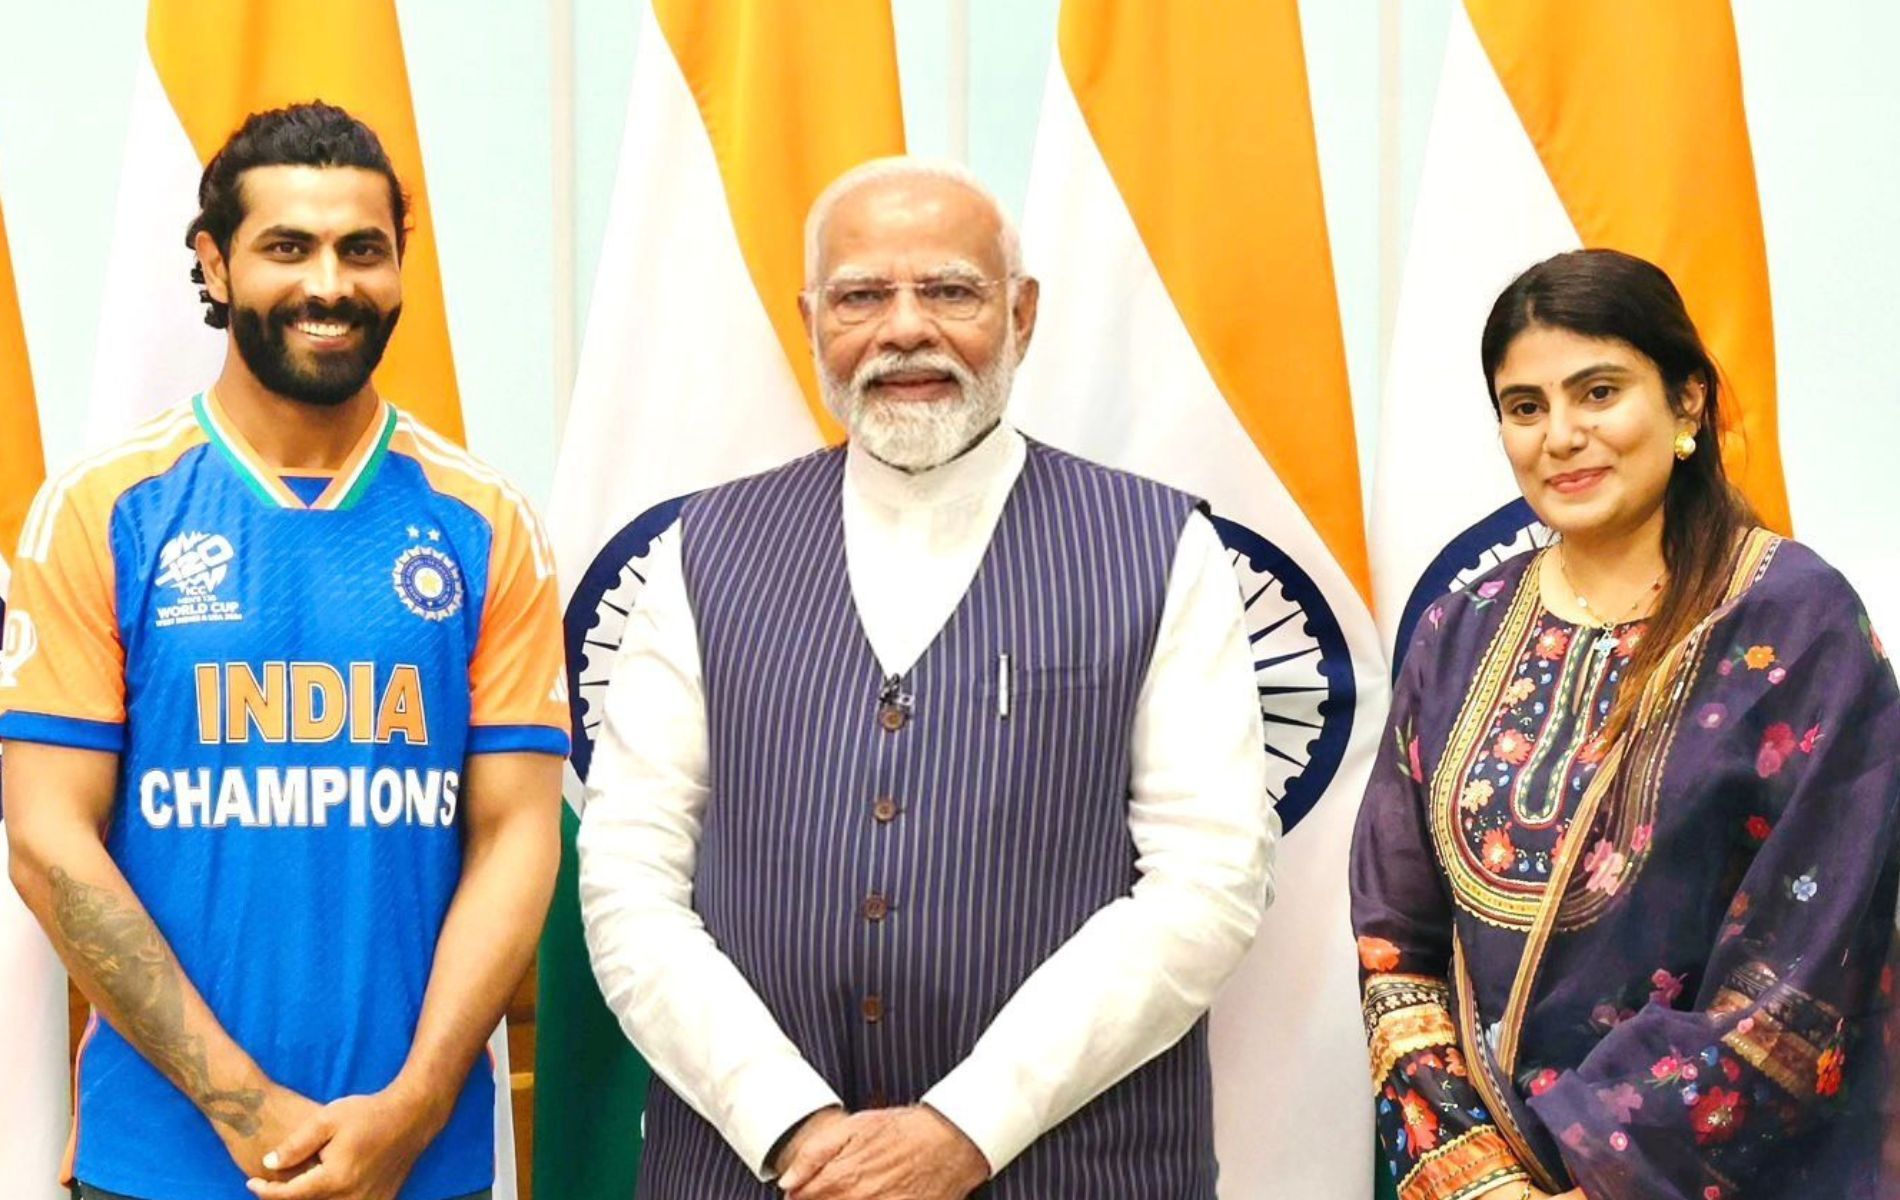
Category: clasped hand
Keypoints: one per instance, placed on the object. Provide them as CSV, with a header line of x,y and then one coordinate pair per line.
x,y
912,1153
354,1148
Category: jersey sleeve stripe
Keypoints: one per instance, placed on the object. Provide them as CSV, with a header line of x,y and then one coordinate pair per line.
x,y
75,732
507,739
433,447
446,453
37,540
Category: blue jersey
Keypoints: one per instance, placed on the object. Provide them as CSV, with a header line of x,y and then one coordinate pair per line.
x,y
293,673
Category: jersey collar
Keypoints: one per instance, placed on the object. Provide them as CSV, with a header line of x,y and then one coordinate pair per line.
x,y
346,486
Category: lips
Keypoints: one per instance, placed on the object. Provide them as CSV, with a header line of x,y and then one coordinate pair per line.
x,y
326,326
324,331
1573,482
913,384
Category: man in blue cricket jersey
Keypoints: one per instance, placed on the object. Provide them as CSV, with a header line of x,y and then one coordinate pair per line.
x,y
283,769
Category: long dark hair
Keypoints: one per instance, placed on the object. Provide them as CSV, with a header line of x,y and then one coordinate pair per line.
x,y
1609,294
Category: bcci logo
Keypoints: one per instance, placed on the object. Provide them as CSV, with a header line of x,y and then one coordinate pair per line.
x,y
195,565
428,583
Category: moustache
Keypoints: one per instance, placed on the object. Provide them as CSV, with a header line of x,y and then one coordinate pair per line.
x,y
892,363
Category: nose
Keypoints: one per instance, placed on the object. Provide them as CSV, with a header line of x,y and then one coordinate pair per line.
x,y
1566,432
323,278
907,326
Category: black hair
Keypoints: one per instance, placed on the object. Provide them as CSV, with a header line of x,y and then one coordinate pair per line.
x,y
305,135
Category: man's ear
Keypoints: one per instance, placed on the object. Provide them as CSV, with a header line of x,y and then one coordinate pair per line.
x,y
211,262
1028,293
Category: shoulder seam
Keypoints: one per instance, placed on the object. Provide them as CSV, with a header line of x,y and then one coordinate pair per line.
x,y
36,538
439,450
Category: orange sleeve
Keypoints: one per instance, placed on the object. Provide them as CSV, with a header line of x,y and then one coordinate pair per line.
x,y
62,665
518,677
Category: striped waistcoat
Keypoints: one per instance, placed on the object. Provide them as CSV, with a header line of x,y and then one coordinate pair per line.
x,y
886,862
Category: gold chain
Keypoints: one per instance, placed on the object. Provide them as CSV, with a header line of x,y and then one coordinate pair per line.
x,y
1591,615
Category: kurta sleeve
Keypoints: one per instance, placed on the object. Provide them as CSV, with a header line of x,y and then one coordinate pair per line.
x,y
1439,1140
1782,1035
690,1011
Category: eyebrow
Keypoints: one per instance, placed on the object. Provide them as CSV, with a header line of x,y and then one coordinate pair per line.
x,y
290,233
854,275
1570,381
957,269
1602,368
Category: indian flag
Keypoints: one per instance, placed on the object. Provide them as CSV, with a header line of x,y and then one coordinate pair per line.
x,y
1561,125
35,1105
1189,331
209,64
695,369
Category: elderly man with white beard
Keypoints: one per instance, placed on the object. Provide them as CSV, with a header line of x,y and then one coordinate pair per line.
x,y
930,810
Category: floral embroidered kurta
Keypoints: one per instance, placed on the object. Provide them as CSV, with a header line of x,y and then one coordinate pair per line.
x,y
1700,1016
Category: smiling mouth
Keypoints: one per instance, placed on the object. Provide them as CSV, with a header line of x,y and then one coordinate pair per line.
x,y
1576,481
901,383
323,330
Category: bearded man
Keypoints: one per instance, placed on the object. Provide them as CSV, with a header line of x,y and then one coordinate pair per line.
x,y
930,808
284,744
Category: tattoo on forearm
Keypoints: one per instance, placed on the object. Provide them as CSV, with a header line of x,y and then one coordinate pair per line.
x,y
128,960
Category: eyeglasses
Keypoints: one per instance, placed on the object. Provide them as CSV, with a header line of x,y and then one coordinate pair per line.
x,y
956,298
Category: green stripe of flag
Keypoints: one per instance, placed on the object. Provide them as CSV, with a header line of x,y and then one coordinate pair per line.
x,y
590,1084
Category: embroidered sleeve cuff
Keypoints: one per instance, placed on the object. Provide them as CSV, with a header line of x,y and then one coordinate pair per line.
x,y
1405,1014
76,732
1465,1167
998,1120
517,739
779,1095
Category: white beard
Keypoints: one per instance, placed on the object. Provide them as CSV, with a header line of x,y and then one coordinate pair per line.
x,y
916,435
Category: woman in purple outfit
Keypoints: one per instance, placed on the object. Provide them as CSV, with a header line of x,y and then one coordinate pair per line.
x,y
1624,879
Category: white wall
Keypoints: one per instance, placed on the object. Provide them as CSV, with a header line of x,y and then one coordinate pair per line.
x,y
1823,108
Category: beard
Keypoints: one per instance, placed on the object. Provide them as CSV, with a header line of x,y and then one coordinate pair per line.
x,y
916,435
323,379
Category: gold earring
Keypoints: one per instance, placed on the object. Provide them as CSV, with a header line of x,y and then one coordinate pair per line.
x,y
1685,445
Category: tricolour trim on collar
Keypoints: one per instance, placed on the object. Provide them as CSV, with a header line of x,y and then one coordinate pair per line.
x,y
346,487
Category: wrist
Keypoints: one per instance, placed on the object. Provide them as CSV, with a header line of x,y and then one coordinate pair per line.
x,y
963,1146
421,1104
232,1102
774,1158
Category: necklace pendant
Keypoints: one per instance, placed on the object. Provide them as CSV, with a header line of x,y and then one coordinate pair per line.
x,y
1605,643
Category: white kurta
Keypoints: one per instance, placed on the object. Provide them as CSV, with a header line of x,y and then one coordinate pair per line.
x,y
1122,989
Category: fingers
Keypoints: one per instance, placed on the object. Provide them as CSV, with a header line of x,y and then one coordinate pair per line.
x,y
314,1184
835,1180
303,1142
847,1164
810,1154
